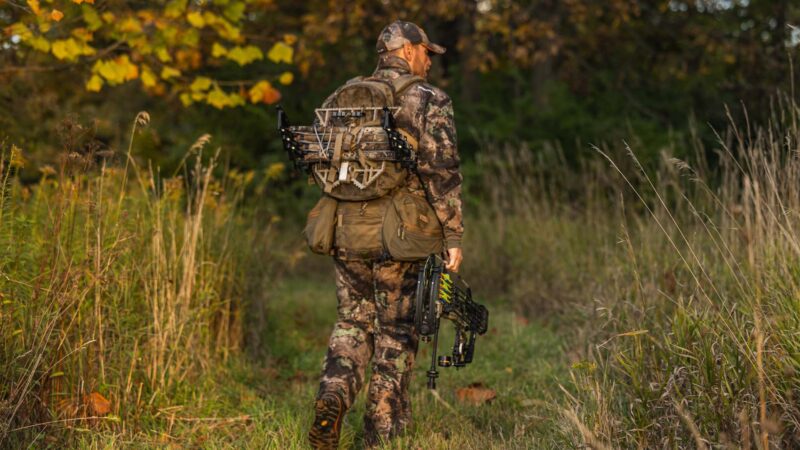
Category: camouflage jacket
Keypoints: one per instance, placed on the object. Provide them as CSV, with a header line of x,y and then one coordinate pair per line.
x,y
427,113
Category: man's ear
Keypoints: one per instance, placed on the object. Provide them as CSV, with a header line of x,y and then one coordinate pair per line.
x,y
408,51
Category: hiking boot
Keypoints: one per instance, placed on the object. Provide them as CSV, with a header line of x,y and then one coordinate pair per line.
x,y
324,433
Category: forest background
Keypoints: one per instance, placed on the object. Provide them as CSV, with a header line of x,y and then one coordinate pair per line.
x,y
629,179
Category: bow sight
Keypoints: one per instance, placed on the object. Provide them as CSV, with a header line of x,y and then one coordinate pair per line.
x,y
443,294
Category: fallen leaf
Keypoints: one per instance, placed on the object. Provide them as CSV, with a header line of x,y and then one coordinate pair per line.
x,y
98,405
476,393
56,15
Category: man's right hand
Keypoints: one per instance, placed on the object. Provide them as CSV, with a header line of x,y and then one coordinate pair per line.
x,y
454,258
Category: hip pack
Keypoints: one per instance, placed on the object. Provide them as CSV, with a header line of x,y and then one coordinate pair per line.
x,y
402,226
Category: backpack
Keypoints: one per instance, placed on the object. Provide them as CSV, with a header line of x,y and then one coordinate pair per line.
x,y
361,161
347,150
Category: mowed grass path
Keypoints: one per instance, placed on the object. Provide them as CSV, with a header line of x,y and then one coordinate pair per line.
x,y
268,404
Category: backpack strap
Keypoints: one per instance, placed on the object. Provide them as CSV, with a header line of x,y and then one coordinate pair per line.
x,y
403,82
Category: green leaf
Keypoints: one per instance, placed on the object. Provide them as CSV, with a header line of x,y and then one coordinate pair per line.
x,y
175,8
234,11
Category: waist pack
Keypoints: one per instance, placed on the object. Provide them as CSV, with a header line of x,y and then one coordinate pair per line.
x,y
402,226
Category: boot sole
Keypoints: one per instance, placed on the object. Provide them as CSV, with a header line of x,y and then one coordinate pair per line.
x,y
324,434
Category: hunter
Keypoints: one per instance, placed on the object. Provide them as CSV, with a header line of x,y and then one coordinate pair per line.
x,y
375,293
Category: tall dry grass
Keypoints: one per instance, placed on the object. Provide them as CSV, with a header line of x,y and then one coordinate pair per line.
x,y
679,284
118,285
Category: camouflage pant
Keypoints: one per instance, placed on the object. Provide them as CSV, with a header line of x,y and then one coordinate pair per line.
x,y
375,322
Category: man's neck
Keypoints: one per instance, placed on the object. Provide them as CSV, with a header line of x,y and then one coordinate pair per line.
x,y
395,62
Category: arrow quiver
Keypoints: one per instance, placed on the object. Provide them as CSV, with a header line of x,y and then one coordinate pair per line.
x,y
442,294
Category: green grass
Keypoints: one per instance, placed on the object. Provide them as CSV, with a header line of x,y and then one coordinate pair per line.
x,y
520,360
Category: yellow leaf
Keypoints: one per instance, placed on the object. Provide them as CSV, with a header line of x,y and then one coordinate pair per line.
x,y
169,72
129,25
222,27
210,18
34,4
281,52
218,99
286,78
290,39
95,84
70,49
218,50
196,19
245,55
77,1
39,43
116,71
186,99
236,99
148,77
132,72
56,15
109,17
256,93
163,55
200,84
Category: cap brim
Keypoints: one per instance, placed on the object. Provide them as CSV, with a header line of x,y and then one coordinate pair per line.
x,y
435,48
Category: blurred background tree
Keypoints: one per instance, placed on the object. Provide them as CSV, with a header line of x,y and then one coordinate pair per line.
x,y
569,72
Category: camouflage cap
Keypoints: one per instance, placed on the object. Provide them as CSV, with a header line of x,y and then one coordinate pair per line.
x,y
399,32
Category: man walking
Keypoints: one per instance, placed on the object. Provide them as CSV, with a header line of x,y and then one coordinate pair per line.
x,y
375,320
